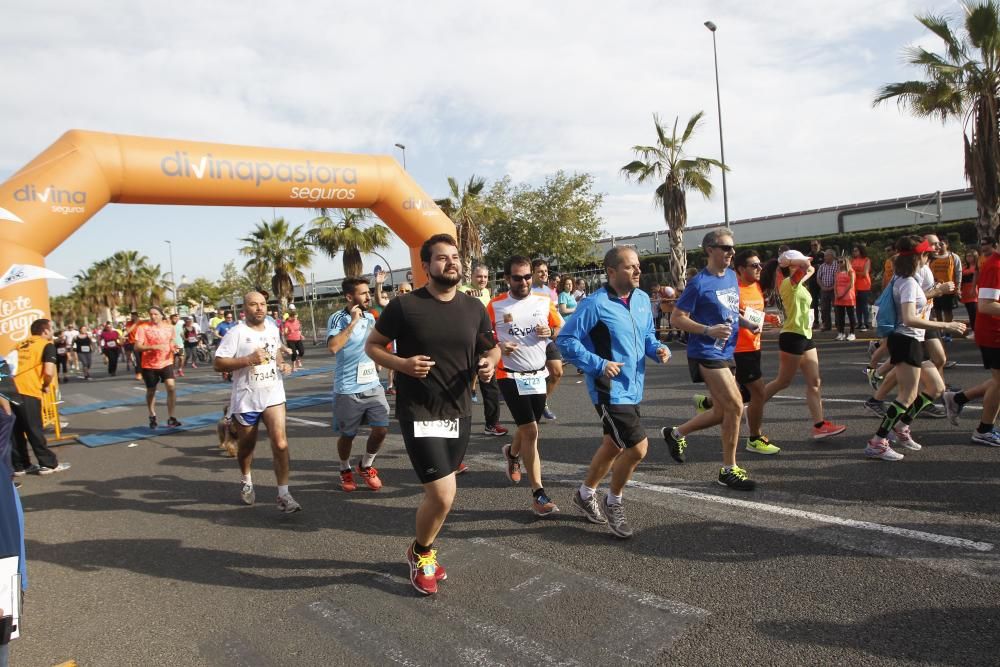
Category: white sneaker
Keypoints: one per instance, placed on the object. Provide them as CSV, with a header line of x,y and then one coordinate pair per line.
x,y
287,504
878,448
840,336
900,435
247,494
851,336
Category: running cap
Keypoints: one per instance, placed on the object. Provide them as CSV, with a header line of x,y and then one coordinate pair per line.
x,y
792,255
291,307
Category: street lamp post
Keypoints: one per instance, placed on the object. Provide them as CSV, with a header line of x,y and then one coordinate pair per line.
x,y
173,279
718,101
402,148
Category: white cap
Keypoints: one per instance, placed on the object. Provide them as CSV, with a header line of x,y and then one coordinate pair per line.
x,y
790,256
291,306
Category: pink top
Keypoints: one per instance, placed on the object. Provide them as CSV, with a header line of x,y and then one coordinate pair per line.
x,y
840,284
293,329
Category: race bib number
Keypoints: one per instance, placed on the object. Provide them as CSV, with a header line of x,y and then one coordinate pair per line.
x,y
436,428
530,384
264,375
754,317
85,348
111,343
367,372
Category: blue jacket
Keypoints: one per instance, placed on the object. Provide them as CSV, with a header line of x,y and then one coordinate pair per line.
x,y
604,329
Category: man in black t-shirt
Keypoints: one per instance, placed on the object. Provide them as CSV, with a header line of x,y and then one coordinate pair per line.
x,y
816,256
443,338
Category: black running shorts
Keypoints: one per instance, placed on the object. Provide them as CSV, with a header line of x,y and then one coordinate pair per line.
x,y
793,343
695,366
748,367
153,376
435,458
906,350
622,423
991,357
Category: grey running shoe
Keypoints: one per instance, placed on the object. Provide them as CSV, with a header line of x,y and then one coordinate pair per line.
x,y
616,519
934,411
876,406
247,494
287,504
589,507
991,438
952,407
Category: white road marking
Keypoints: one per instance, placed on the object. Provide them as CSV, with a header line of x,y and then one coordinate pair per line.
x,y
947,540
855,400
299,420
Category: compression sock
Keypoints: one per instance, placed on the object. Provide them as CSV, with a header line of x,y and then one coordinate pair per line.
x,y
893,412
367,460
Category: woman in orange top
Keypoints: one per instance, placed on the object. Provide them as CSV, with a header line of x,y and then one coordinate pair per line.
x,y
862,267
970,270
844,300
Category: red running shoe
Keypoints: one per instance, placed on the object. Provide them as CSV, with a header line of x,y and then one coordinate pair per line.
x,y
347,481
495,429
370,476
827,429
461,469
423,570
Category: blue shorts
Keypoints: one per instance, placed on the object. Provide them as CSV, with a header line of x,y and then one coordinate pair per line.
x,y
248,418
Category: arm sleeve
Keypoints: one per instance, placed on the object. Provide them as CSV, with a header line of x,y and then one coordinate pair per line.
x,y
570,339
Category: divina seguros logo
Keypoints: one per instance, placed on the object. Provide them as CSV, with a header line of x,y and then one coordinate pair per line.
x,y
180,164
61,200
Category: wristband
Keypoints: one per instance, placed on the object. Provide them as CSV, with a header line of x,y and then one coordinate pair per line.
x,y
705,331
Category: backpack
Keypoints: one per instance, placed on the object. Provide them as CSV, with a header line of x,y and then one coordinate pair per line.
x,y
887,318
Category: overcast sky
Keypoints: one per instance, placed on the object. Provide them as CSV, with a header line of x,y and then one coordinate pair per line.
x,y
519,88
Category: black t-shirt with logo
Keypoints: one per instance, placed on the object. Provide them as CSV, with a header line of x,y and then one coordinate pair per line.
x,y
453,334
83,344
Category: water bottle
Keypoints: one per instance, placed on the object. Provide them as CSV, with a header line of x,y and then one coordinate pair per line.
x,y
720,343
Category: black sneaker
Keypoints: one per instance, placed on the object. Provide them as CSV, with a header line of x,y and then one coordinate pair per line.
x,y
675,445
152,421
876,406
616,519
173,423
736,478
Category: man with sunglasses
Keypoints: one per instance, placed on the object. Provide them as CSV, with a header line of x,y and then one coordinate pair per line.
x,y
609,337
709,311
523,323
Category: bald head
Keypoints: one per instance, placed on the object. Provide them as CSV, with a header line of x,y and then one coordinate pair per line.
x,y
255,308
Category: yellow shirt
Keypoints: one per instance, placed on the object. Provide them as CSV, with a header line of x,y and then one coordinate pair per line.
x,y
30,364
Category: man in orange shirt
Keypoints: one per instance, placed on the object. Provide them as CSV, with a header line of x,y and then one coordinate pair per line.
x,y
36,370
155,343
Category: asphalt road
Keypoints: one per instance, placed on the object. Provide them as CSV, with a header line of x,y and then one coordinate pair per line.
x,y
144,555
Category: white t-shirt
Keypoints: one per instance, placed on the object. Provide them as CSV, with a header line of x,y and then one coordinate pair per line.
x,y
70,335
908,290
255,388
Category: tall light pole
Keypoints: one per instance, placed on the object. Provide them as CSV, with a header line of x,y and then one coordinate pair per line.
x,y
402,148
718,101
173,278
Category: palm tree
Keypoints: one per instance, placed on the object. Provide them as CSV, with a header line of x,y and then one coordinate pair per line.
x,y
277,249
470,214
963,83
135,278
346,234
677,173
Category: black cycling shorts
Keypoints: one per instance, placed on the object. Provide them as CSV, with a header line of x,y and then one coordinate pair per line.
x,y
153,376
622,423
435,458
524,409
991,357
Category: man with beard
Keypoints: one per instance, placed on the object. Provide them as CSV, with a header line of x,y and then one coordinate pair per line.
x,y
155,342
251,351
443,337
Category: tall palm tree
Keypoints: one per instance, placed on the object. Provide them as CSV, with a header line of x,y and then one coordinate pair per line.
x,y
280,250
135,277
347,234
676,173
963,83
469,213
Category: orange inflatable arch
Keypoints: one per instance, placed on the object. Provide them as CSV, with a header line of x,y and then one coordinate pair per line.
x,y
46,201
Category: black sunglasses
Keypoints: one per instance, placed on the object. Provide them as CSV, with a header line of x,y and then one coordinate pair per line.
x,y
724,248
520,279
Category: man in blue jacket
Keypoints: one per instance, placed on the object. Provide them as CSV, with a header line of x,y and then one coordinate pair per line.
x,y
608,338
